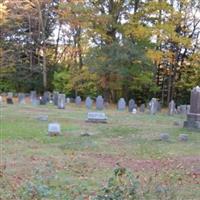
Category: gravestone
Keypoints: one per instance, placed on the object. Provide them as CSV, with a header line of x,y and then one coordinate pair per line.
x,y
193,117
21,98
33,98
142,108
55,98
9,98
1,99
61,101
153,106
96,117
182,109
164,137
78,100
54,129
42,118
67,100
46,97
172,108
131,105
88,103
121,105
43,100
183,137
99,103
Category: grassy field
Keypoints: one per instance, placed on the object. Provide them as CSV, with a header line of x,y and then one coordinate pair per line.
x,y
75,167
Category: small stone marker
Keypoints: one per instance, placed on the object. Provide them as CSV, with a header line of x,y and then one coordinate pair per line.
x,y
99,103
67,100
55,98
42,118
96,117
88,103
164,137
131,105
134,111
9,98
183,137
172,108
54,129
61,101
193,116
142,108
153,106
21,98
33,98
121,105
78,100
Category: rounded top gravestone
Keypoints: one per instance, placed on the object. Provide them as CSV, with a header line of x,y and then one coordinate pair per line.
x,y
54,129
172,108
61,101
78,100
131,105
99,103
88,103
121,105
153,106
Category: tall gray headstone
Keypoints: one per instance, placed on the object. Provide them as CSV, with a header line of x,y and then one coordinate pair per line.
x,y
172,108
193,117
55,98
99,103
78,100
131,105
121,105
142,108
88,103
61,101
46,97
33,98
21,98
153,106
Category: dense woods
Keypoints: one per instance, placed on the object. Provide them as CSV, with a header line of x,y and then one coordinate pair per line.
x,y
129,48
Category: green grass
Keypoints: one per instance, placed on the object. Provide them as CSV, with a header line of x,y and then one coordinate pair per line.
x,y
83,164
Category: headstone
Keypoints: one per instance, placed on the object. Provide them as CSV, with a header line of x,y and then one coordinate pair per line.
x,y
121,105
193,117
21,98
88,103
153,106
183,137
78,100
96,117
55,98
67,100
61,101
182,109
54,129
9,98
1,99
99,103
172,108
164,137
42,118
134,111
33,95
142,108
43,100
131,105
46,97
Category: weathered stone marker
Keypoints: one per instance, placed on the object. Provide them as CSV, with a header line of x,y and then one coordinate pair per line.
x,y
164,137
55,98
142,108
1,99
61,101
88,103
131,105
96,117
54,129
153,106
193,117
21,98
121,105
99,103
9,98
183,137
78,100
172,108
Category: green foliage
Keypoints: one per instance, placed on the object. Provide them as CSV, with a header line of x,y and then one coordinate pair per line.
x,y
123,185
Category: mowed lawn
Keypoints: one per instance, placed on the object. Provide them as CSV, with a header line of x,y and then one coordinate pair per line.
x,y
76,167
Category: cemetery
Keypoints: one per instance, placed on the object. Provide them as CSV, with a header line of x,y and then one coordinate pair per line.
x,y
46,140
100,100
